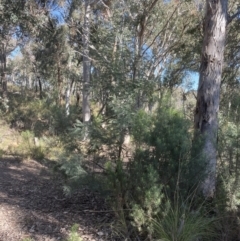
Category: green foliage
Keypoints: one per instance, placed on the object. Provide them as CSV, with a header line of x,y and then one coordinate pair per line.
x,y
228,195
146,48
142,205
117,183
180,223
146,196
111,131
27,239
38,116
160,168
229,149
43,118
142,126
31,146
74,236
28,114
117,180
59,122
37,153
71,167
167,146
4,105
1,153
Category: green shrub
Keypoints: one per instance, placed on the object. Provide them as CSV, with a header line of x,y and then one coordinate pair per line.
x,y
181,223
30,146
163,166
1,153
146,197
142,126
27,239
74,236
142,206
117,182
37,152
228,196
166,144
71,167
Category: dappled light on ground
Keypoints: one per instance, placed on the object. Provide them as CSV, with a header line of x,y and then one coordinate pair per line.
x,y
32,205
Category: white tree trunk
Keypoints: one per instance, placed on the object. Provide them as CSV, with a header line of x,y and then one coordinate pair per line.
x,y
86,64
67,106
206,115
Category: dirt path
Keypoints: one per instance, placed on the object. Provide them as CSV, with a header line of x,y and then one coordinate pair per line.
x,y
32,205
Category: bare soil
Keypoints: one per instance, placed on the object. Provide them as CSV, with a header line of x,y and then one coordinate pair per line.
x,y
33,205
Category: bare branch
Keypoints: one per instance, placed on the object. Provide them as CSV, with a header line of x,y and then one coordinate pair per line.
x,y
235,15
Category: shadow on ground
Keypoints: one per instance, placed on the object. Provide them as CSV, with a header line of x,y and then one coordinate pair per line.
x,y
32,205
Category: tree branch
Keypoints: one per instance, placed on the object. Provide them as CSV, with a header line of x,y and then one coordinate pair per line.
x,y
230,18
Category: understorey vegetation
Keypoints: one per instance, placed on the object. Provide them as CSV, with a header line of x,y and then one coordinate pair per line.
x,y
138,100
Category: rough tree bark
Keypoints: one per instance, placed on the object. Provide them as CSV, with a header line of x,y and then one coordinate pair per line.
x,y
3,66
207,107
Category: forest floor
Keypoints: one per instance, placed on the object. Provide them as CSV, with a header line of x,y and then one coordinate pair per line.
x,y
34,207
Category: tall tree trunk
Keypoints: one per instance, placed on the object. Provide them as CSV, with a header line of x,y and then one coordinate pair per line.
x,y
207,107
3,62
137,58
29,81
86,64
59,83
67,98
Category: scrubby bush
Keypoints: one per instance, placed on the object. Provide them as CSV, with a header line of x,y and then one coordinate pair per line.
x,y
180,223
161,168
167,146
71,167
228,196
31,146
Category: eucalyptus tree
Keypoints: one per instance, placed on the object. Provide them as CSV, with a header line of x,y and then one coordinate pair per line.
x,y
10,34
143,47
19,21
158,44
83,21
208,97
86,63
54,46
22,68
137,52
123,73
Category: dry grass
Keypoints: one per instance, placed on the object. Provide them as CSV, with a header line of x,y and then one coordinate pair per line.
x,y
9,138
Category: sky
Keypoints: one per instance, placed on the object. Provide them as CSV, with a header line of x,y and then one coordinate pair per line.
x,y
195,78
15,52
190,82
58,14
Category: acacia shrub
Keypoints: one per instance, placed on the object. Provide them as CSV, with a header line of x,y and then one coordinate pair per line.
x,y
163,167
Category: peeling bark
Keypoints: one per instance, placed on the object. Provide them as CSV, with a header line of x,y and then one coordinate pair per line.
x,y
207,107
